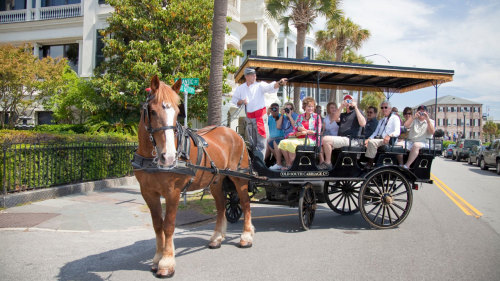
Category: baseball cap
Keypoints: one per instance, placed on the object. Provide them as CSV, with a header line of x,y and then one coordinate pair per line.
x,y
348,97
249,70
422,107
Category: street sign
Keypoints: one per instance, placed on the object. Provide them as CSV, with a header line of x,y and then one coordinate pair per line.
x,y
190,81
187,89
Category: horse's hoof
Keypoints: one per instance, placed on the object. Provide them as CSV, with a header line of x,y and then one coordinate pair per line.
x,y
245,245
154,269
164,273
214,245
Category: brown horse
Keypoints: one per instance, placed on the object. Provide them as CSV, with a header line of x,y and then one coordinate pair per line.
x,y
225,148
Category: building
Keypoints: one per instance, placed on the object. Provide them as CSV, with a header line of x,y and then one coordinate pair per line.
x,y
69,28
457,116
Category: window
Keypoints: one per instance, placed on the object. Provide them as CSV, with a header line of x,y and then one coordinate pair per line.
x,y
459,109
68,51
439,122
99,46
280,52
49,3
323,96
479,122
459,122
452,109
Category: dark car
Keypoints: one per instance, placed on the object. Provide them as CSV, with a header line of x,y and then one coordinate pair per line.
x,y
475,154
448,152
463,147
491,156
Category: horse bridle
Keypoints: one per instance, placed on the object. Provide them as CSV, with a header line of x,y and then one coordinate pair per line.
x,y
149,128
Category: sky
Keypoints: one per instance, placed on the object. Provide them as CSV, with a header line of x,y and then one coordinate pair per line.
x,y
463,36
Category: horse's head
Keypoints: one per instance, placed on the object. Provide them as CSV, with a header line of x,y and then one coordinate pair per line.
x,y
160,117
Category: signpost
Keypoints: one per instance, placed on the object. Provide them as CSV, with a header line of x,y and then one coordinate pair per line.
x,y
186,89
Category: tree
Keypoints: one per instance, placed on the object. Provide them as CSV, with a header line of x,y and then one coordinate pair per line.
x,y
146,37
25,81
302,13
372,99
489,129
75,99
216,61
341,34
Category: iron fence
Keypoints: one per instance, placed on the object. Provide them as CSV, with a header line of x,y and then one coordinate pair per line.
x,y
34,166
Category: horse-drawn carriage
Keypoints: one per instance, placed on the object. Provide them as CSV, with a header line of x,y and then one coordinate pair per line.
x,y
171,159
383,195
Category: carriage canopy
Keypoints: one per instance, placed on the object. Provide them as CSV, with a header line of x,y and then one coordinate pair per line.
x,y
348,76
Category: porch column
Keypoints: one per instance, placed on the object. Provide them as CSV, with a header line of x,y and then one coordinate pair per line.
x,y
285,47
273,52
38,6
29,4
80,56
36,51
261,38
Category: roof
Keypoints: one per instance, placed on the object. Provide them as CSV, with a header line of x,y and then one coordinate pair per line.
x,y
450,100
349,76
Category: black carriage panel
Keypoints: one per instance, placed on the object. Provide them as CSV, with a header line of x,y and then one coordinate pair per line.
x,y
421,167
347,161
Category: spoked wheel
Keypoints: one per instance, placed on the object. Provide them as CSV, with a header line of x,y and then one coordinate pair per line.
x,y
307,206
385,199
233,208
342,196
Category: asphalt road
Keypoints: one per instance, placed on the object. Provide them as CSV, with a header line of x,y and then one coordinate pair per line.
x,y
438,241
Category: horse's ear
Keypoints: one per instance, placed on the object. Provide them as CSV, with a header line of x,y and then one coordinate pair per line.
x,y
155,83
177,85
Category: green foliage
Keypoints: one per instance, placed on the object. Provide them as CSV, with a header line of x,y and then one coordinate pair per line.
x,y
446,143
30,166
490,128
75,99
61,128
33,137
148,37
372,99
25,80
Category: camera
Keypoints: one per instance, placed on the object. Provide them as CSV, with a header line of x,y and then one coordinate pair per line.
x,y
287,110
378,137
348,101
274,109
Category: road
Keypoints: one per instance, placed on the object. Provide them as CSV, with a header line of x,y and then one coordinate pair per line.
x,y
439,240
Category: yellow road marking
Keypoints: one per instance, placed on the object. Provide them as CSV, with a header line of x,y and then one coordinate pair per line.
x,y
467,208
274,216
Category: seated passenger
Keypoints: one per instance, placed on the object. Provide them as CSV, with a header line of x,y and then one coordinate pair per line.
x,y
307,125
330,126
371,121
275,135
388,127
420,129
350,123
407,113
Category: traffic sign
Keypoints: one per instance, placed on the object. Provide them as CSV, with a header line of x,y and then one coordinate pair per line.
x,y
187,89
190,81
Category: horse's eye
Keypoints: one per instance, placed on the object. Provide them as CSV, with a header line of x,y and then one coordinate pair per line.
x,y
153,112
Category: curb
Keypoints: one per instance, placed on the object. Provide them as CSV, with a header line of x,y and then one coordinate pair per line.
x,y
14,199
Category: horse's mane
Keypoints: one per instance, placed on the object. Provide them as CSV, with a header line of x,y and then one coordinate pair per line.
x,y
165,94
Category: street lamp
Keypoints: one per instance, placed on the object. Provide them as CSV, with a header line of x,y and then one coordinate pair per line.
x,y
377,55
464,126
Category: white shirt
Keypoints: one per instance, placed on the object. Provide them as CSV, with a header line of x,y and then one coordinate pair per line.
x,y
391,127
418,131
331,128
254,94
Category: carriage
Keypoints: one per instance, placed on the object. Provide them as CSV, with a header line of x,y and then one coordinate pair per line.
x,y
382,195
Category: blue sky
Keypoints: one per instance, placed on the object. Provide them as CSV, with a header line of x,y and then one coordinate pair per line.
x,y
463,36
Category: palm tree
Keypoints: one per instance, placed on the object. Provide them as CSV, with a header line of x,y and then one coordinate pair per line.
x,y
342,34
216,62
302,13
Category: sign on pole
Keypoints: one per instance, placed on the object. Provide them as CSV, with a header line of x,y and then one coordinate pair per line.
x,y
190,81
187,89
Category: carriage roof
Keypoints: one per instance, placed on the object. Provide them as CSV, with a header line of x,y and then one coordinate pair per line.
x,y
349,76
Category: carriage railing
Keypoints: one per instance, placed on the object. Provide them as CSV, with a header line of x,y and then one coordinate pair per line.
x,y
34,166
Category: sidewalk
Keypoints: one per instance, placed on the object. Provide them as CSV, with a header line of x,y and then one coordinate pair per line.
x,y
110,209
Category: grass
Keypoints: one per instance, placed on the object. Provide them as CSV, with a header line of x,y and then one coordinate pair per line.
x,y
205,206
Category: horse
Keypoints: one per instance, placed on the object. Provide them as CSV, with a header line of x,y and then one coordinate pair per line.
x,y
225,150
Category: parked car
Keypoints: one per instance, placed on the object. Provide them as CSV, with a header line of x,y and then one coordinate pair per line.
x,y
463,147
448,152
475,154
491,156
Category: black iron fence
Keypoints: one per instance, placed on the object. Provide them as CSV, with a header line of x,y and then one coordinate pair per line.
x,y
34,166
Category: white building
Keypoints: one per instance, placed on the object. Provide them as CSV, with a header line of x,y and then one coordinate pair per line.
x,y
69,28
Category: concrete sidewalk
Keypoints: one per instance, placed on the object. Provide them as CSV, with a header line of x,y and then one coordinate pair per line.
x,y
120,208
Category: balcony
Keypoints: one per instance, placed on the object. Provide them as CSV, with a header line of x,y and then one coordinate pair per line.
x,y
44,13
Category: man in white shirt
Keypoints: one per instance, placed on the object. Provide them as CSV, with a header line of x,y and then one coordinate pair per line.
x,y
251,94
387,128
421,129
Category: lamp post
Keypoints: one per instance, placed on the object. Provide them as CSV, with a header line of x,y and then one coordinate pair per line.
x,y
464,126
388,61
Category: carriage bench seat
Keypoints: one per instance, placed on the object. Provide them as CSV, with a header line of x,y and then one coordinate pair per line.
x,y
358,149
429,151
392,149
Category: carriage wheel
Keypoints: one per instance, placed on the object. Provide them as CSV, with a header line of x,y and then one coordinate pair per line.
x,y
233,208
342,196
385,199
307,206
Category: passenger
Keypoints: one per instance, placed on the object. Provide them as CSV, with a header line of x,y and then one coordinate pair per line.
x,y
407,113
387,128
371,121
275,135
330,126
287,119
350,123
308,124
396,112
421,128
251,94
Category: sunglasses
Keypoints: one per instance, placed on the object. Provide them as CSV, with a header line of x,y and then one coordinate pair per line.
x,y
370,112
407,113
384,107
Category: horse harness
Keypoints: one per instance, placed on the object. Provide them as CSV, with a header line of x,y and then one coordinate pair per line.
x,y
182,164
